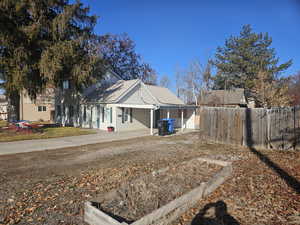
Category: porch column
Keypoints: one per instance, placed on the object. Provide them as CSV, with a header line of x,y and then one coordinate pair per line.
x,y
151,121
181,119
168,113
194,118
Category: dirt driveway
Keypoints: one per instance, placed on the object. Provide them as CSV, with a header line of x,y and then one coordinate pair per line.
x,y
50,187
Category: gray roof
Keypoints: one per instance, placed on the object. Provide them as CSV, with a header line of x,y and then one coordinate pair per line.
x,y
223,97
114,93
164,96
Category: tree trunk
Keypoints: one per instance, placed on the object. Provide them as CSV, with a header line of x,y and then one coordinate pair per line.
x,y
13,106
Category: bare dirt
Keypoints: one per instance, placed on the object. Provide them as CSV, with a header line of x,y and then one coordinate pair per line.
x,y
50,187
140,197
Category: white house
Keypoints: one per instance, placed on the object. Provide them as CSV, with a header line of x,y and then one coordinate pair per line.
x,y
124,105
3,107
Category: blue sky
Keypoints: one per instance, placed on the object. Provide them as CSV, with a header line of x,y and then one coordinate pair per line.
x,y
171,33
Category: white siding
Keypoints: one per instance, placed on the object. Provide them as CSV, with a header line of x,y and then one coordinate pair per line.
x,y
140,120
138,96
92,115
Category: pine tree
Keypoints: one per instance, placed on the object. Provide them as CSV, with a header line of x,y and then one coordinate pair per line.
x,y
44,42
243,57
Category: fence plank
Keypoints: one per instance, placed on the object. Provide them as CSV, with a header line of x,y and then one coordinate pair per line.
x,y
277,128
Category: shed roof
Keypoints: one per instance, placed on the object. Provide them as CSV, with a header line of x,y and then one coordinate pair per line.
x,y
223,97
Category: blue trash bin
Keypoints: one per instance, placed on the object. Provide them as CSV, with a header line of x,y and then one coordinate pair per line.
x,y
171,125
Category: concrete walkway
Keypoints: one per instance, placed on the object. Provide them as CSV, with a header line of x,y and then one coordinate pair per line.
x,y
63,142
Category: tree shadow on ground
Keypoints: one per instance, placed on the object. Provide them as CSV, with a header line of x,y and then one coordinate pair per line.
x,y
214,214
290,180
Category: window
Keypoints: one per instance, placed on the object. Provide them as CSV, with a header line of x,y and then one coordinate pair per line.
x,y
64,110
58,110
107,114
78,110
102,114
66,84
91,117
126,115
84,113
42,108
110,115
71,111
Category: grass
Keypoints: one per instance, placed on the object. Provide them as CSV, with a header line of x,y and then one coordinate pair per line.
x,y
3,123
45,133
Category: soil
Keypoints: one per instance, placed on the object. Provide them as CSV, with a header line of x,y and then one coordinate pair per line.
x,y
144,195
50,187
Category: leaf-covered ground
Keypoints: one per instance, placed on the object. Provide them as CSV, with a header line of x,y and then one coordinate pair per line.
x,y
50,187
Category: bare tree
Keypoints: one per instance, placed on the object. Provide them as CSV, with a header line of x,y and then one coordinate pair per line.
x,y
207,77
178,81
193,80
149,75
165,81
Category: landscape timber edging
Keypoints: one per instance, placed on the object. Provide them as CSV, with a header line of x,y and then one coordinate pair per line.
x,y
172,210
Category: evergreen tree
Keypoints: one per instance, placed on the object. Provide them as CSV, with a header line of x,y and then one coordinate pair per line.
x,y
243,57
44,42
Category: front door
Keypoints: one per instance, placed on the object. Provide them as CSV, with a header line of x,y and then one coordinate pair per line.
x,y
98,116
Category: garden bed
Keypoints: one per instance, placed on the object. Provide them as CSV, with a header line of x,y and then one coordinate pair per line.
x,y
160,196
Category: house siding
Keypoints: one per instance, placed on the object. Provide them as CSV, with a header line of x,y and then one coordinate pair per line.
x,y
29,108
138,96
140,120
93,115
3,110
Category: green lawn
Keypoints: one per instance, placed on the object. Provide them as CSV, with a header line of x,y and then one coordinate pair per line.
x,y
45,133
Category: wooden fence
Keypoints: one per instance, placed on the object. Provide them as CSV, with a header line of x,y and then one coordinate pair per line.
x,y
277,128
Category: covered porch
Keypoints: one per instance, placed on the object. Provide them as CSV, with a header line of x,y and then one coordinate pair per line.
x,y
130,117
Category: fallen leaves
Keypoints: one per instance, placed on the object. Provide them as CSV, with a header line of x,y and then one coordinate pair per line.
x,y
254,194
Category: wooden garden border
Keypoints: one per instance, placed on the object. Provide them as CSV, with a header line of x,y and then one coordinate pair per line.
x,y
172,210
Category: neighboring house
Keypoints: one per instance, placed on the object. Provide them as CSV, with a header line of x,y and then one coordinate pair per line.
x,y
124,105
224,98
40,109
3,107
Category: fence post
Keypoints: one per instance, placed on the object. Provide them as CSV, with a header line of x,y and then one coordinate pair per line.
x,y
268,128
